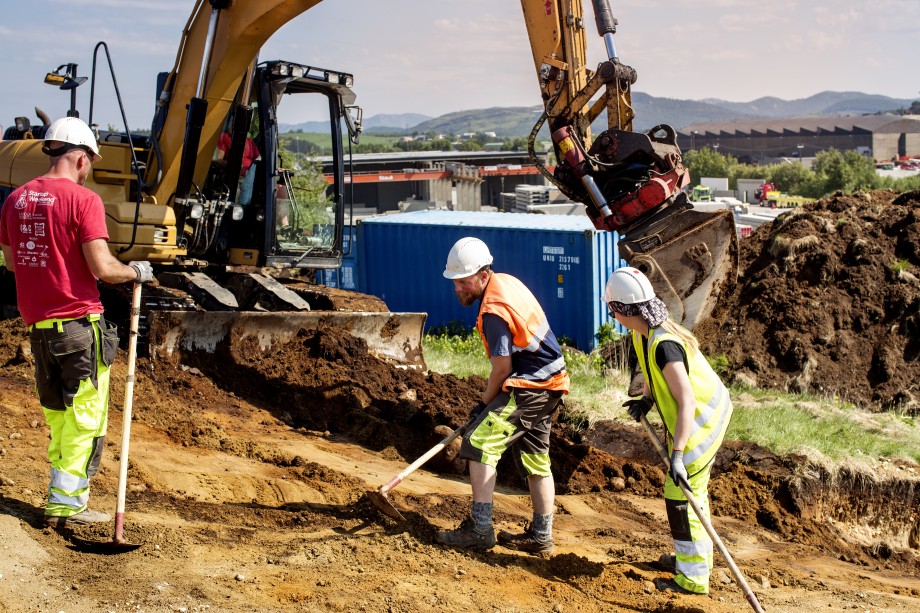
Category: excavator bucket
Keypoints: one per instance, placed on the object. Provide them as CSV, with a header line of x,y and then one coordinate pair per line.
x,y
393,337
690,257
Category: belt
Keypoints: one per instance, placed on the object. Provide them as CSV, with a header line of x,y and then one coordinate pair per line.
x,y
47,324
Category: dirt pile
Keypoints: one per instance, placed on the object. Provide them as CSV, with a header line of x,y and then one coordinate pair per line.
x,y
326,380
829,302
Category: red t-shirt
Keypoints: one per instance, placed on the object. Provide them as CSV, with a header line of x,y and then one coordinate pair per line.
x,y
45,222
250,151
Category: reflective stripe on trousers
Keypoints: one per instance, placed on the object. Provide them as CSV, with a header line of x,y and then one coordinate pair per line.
x,y
74,395
692,544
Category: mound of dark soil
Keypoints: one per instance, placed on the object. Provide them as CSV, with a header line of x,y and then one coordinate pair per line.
x,y
829,302
325,380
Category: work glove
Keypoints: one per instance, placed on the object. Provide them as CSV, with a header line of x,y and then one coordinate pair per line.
x,y
678,470
476,410
637,407
143,270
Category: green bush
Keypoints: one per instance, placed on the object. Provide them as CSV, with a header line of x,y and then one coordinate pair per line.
x,y
719,363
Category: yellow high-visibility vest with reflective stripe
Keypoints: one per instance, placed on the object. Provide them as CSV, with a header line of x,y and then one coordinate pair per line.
x,y
713,404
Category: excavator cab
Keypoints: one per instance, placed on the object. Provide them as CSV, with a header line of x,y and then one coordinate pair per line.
x,y
283,213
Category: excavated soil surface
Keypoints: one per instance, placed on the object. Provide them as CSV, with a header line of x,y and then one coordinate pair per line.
x,y
829,303
248,483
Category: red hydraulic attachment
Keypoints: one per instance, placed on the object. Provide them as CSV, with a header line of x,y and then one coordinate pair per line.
x,y
625,174
650,195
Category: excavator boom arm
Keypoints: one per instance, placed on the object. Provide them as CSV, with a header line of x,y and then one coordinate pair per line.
x,y
219,46
630,182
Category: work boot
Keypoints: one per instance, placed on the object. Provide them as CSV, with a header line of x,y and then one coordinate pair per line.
x,y
669,585
467,537
527,541
667,562
83,518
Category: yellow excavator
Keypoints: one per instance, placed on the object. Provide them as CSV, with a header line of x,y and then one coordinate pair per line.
x,y
214,199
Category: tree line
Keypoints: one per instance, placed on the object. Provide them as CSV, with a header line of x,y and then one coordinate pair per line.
x,y
831,170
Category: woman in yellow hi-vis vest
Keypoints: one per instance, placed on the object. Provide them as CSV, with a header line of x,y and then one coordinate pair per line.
x,y
695,408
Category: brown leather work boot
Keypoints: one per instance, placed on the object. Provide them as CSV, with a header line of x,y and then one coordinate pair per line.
x,y
528,541
467,537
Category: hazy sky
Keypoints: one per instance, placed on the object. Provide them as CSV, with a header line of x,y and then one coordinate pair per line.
x,y
439,56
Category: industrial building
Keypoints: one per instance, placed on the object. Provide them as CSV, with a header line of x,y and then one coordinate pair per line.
x,y
459,180
880,137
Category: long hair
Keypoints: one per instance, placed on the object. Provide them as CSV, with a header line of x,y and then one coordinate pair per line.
x,y
692,345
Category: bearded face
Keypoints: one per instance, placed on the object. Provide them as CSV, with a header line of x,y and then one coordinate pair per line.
x,y
470,289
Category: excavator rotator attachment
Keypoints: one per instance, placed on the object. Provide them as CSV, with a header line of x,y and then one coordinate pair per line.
x,y
631,183
636,173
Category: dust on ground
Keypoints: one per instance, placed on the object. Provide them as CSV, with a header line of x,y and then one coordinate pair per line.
x,y
829,302
248,483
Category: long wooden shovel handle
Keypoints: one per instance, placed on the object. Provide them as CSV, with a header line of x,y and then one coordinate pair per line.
x,y
742,583
428,455
126,412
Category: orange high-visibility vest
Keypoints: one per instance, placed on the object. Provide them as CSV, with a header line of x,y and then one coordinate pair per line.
x,y
536,357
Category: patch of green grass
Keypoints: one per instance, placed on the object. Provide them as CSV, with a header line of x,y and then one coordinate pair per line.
x,y
321,143
595,392
787,423
460,354
719,363
899,266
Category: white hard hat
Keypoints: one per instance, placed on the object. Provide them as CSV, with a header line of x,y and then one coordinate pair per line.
x,y
73,131
629,286
466,257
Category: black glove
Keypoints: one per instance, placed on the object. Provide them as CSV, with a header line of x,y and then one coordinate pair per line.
x,y
476,410
637,407
678,470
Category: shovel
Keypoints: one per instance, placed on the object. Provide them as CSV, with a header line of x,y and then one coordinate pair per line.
x,y
379,496
118,544
685,488
118,541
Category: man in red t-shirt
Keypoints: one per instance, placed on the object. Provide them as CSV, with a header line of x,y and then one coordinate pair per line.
x,y
54,239
250,154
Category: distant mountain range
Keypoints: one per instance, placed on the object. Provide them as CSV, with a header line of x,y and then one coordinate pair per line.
x,y
512,122
383,123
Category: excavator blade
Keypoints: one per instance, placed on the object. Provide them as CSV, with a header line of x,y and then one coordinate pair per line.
x,y
394,337
690,257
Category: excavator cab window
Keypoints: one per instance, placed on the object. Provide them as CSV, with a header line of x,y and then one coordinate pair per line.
x,y
304,207
302,110
279,164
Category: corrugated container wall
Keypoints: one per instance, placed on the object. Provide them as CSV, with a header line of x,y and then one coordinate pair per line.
x,y
562,259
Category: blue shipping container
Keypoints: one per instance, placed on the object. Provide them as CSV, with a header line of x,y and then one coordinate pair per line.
x,y
562,259
345,277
